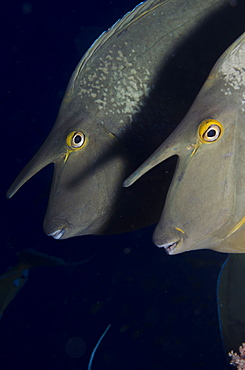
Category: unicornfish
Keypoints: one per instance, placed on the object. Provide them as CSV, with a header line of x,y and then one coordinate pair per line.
x,y
205,205
115,112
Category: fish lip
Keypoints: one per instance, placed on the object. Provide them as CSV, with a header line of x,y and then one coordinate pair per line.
x,y
57,234
169,247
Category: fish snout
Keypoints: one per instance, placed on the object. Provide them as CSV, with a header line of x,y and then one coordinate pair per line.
x,y
55,227
171,240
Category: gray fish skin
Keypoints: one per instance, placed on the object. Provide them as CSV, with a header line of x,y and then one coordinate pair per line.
x,y
115,99
204,208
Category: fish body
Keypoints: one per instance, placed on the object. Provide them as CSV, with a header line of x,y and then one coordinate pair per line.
x,y
205,205
113,115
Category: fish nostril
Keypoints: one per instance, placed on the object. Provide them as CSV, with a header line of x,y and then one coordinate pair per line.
x,y
55,226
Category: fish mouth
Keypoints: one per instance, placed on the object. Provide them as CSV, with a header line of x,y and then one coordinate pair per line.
x,y
169,247
57,234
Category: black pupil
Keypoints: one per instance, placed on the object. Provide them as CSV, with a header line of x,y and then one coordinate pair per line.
x,y
77,139
211,133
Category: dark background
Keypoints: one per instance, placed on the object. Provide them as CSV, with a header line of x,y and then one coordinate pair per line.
x,y
162,309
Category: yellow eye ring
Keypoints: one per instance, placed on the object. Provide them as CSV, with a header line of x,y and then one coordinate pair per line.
x,y
210,131
75,140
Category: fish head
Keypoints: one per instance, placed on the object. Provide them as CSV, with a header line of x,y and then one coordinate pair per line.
x,y
89,167
86,186
204,208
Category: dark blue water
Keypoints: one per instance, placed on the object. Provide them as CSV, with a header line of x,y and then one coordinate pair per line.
x,y
162,309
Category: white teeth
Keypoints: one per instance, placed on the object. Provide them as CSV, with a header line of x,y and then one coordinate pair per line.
x,y
57,234
165,245
169,247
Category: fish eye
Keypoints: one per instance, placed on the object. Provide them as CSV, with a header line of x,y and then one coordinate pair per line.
x,y
210,131
75,140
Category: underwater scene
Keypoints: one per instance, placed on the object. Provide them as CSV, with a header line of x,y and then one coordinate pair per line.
x,y
87,275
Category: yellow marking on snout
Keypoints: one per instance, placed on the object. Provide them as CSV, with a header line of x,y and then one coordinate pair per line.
x,y
237,226
178,229
196,146
67,155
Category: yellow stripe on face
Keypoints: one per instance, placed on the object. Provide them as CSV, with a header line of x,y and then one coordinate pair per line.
x,y
178,229
237,226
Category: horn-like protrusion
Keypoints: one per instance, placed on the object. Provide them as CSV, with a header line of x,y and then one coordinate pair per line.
x,y
168,149
47,154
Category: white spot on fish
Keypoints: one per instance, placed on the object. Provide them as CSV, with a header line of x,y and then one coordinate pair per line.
x,y
232,68
243,101
104,70
116,86
92,77
120,54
